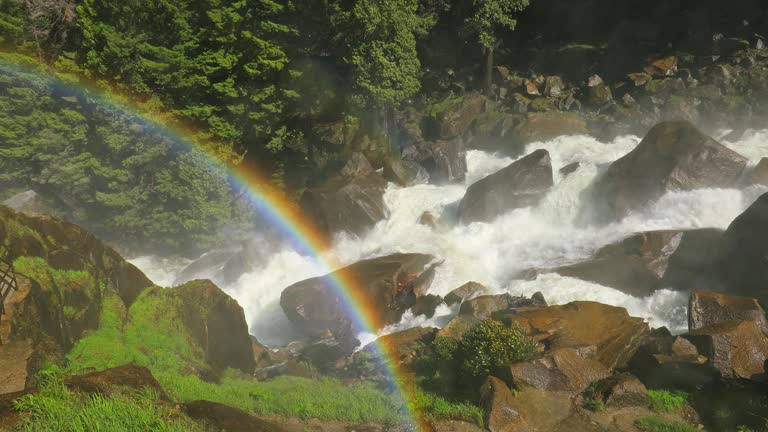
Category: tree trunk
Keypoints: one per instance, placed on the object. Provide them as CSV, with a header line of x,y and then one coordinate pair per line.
x,y
488,70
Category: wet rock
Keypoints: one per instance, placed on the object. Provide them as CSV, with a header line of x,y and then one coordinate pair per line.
x,y
569,169
759,175
357,165
521,184
112,380
560,369
265,357
346,204
674,362
448,161
226,418
743,267
427,305
599,95
644,262
458,326
465,291
707,308
483,307
673,156
391,283
428,219
738,349
573,325
496,401
621,390
405,172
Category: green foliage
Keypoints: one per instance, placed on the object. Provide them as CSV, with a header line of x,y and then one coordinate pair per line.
x,y
667,401
437,407
379,40
655,424
590,402
490,17
491,344
54,408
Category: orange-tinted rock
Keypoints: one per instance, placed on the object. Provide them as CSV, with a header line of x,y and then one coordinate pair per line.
x,y
707,308
738,349
621,390
496,401
465,291
568,369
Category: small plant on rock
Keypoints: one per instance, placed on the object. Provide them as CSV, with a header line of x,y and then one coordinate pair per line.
x,y
491,344
667,401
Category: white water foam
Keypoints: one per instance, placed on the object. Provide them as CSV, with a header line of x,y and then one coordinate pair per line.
x,y
546,235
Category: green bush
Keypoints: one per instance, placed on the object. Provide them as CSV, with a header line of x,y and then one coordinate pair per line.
x,y
655,424
491,344
667,401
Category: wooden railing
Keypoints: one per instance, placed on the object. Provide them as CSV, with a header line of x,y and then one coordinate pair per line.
x,y
8,281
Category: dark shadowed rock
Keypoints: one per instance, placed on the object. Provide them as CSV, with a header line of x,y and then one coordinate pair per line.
x,y
573,325
673,156
428,219
759,175
225,418
673,361
391,284
465,291
521,184
264,356
545,126
405,172
738,349
644,262
352,204
427,305
707,308
743,267
568,369
357,165
112,380
496,401
621,390
448,161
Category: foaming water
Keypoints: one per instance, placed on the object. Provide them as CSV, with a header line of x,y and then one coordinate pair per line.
x,y
551,233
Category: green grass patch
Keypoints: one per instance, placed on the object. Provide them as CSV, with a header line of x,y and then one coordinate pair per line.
x,y
54,408
667,401
655,424
436,407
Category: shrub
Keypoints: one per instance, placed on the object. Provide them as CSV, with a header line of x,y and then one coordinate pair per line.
x,y
667,401
491,344
590,402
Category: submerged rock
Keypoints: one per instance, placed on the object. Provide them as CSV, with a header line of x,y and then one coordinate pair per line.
x,y
673,156
521,184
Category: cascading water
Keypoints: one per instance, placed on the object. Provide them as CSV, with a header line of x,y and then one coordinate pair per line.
x,y
556,231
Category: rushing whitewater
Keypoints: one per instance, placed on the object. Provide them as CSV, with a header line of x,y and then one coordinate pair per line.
x,y
557,231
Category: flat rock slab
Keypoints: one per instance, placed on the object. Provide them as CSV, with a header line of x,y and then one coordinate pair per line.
x,y
16,366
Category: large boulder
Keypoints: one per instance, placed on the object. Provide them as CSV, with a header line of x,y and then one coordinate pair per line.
x,y
564,369
521,184
405,172
673,156
390,284
544,126
351,204
214,321
465,291
707,308
573,325
673,362
738,349
621,390
483,307
496,401
644,262
759,175
743,267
